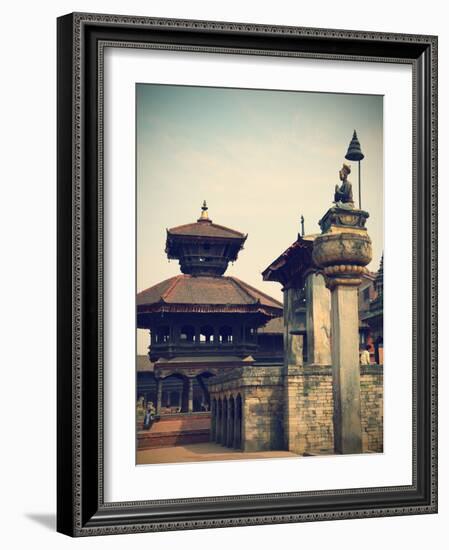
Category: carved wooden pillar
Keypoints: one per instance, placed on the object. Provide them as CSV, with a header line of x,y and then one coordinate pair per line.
x,y
158,395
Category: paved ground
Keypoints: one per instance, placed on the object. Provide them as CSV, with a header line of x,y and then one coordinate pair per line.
x,y
178,424
200,452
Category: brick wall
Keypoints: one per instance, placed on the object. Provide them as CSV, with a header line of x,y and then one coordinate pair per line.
x,y
263,418
261,390
293,408
310,409
372,402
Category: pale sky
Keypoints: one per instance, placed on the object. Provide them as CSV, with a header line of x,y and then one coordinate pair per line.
x,y
260,158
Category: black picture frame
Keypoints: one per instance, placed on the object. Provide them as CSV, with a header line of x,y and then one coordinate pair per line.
x,y
81,510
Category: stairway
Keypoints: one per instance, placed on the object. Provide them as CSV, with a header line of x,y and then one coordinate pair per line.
x,y
177,429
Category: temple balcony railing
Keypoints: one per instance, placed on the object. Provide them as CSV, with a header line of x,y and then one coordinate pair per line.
x,y
207,348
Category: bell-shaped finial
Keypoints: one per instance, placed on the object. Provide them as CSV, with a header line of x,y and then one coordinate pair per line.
x,y
354,149
204,212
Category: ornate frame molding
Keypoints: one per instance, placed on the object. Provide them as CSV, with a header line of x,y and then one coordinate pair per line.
x,y
81,42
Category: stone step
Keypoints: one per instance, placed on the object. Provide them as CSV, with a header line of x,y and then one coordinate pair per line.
x,y
173,430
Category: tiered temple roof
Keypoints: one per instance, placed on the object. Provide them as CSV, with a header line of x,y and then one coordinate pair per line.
x,y
289,268
204,250
203,247
199,294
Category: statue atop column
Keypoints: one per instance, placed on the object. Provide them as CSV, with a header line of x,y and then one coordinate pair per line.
x,y
343,193
342,251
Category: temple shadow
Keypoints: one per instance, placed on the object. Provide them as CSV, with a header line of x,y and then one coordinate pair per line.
x,y
46,520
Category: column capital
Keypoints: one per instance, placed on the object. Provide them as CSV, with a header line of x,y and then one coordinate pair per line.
x,y
343,256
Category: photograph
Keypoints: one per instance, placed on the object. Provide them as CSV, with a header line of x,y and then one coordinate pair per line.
x,y
259,273
246,237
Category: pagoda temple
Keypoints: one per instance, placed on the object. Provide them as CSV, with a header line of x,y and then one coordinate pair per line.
x,y
201,322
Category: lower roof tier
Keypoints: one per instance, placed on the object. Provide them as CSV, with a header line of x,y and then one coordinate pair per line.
x,y
189,294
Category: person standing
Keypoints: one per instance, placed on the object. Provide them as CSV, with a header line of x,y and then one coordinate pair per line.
x,y
150,415
365,358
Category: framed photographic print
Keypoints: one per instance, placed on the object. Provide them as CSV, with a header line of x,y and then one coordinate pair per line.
x,y
246,274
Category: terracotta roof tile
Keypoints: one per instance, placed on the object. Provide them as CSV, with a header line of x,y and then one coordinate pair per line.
x,y
185,292
206,229
274,326
293,252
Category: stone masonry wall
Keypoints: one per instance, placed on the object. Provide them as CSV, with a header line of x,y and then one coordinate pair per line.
x,y
310,409
263,418
261,390
293,409
372,402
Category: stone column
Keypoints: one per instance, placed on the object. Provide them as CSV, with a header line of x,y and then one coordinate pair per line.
x,y
294,322
213,419
158,395
346,370
342,251
218,429
224,423
318,322
235,440
190,401
229,427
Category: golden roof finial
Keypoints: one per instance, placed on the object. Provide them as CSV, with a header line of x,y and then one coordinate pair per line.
x,y
204,212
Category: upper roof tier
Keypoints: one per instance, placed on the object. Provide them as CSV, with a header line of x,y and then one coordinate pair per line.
x,y
203,248
205,228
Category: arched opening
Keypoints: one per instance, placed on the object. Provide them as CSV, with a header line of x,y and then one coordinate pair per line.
x,y
204,400
206,334
224,435
219,429
238,423
231,419
213,420
200,395
171,394
187,334
225,335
